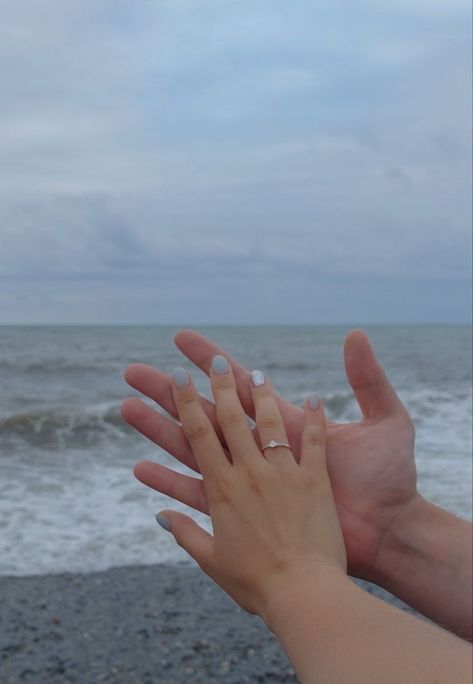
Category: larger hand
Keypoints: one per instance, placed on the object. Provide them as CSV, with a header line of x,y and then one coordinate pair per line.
x,y
371,462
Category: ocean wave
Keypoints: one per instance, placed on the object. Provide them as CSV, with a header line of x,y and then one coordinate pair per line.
x,y
425,405
59,365
289,366
340,406
59,429
431,403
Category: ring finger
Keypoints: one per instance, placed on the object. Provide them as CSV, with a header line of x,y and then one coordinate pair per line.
x,y
268,420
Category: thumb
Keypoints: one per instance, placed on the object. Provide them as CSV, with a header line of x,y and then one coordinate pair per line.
x,y
187,533
374,393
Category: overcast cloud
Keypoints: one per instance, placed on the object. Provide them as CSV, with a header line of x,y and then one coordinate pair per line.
x,y
235,162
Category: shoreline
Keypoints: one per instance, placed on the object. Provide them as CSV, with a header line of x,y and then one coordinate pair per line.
x,y
146,624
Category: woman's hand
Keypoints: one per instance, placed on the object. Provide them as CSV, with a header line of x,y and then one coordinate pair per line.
x,y
274,520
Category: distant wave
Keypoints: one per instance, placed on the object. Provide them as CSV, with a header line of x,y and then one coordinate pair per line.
x,y
340,406
59,365
424,405
57,429
292,366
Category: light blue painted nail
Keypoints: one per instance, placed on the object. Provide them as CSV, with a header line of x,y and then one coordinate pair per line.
x,y
220,365
257,378
180,377
163,521
314,401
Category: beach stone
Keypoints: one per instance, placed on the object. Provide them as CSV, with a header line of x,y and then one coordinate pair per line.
x,y
134,625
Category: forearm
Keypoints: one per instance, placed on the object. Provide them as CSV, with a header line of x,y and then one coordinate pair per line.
x,y
332,631
426,560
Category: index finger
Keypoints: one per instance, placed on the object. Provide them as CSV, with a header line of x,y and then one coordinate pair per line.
x,y
158,386
230,414
197,427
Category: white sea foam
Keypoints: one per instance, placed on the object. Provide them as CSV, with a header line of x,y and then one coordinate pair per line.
x,y
81,518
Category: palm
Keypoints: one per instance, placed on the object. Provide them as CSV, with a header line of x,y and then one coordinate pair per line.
x,y
372,470
373,475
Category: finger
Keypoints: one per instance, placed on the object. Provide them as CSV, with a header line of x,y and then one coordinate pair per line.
x,y
158,386
230,414
268,420
159,429
188,490
313,437
374,393
197,428
197,542
200,350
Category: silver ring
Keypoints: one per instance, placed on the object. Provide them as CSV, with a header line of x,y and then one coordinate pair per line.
x,y
273,444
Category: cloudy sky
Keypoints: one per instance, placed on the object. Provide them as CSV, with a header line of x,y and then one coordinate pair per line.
x,y
235,161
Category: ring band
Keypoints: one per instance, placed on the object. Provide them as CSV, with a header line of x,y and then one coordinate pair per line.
x,y
273,444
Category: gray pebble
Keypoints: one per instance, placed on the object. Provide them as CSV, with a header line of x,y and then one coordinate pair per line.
x,y
135,625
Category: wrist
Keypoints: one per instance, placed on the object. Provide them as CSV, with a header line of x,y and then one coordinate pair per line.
x,y
288,595
425,559
401,538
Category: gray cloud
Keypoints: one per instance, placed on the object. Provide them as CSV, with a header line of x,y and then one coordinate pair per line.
x,y
189,154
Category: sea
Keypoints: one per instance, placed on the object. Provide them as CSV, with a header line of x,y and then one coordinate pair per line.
x,y
68,499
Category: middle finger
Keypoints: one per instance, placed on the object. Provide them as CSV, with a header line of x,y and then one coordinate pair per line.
x,y
269,420
230,414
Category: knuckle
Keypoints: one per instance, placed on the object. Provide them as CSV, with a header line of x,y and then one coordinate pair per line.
x,y
310,482
307,481
221,490
196,430
229,415
269,420
322,486
313,436
187,400
254,482
222,382
293,477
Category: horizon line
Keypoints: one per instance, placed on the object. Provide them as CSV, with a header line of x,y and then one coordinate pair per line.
x,y
236,325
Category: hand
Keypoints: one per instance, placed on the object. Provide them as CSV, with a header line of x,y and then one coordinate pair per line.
x,y
370,463
274,520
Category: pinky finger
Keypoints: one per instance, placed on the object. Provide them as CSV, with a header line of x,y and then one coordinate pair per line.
x,y
313,438
197,542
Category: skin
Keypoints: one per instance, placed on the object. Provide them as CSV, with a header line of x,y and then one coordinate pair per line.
x,y
277,548
391,533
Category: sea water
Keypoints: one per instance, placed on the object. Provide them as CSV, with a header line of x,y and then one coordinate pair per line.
x,y
68,498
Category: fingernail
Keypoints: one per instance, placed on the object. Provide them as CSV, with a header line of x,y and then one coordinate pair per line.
x,y
220,365
257,378
180,377
163,521
314,401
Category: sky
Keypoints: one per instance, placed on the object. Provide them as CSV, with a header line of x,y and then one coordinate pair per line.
x,y
235,162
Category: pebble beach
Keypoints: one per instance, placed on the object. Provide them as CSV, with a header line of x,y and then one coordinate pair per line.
x,y
158,624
